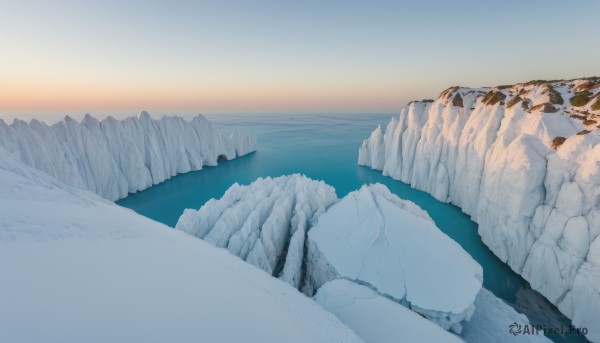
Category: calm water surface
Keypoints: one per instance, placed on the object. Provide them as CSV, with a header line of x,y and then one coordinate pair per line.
x,y
325,147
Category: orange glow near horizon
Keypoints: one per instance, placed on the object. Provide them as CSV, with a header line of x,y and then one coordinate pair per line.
x,y
69,95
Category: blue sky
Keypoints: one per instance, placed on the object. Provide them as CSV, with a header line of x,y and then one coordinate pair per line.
x,y
281,55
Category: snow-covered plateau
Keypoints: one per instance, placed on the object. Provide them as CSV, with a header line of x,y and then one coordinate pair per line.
x,y
115,157
77,268
376,261
524,162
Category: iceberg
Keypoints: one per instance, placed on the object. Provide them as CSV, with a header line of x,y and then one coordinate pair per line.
x,y
376,239
264,223
113,158
524,162
77,268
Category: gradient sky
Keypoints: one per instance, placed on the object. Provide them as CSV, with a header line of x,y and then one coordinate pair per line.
x,y
103,56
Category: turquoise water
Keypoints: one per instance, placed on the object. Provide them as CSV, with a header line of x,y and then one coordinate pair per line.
x,y
325,147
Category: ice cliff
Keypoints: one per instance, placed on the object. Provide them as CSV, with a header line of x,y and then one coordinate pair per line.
x,y
264,223
77,268
115,157
524,162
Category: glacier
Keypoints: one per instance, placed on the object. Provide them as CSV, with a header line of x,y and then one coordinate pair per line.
x,y
369,246
78,268
113,158
524,162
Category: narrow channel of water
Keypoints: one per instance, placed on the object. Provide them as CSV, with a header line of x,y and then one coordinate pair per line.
x,y
325,147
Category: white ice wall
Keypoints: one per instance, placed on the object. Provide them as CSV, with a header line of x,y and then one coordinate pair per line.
x,y
538,208
115,157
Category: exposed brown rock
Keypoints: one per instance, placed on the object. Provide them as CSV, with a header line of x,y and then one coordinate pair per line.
x,y
515,100
545,107
558,141
458,100
493,97
555,97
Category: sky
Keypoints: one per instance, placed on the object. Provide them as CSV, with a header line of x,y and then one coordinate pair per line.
x,y
290,56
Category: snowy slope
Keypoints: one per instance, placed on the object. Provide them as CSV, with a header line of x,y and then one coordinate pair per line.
x,y
377,239
77,268
113,158
377,319
524,162
263,223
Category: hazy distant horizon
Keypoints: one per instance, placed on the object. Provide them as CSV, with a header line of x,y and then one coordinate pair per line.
x,y
51,117
311,56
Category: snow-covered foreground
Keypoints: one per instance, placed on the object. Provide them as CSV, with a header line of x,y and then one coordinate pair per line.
x,y
371,258
115,157
77,268
524,162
